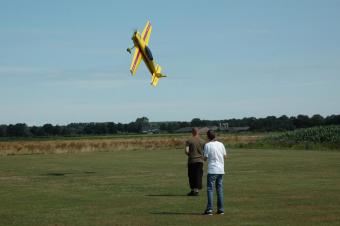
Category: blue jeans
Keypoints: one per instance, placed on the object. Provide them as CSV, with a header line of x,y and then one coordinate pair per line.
x,y
213,179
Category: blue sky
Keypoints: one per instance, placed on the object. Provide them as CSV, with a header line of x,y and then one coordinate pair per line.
x,y
66,61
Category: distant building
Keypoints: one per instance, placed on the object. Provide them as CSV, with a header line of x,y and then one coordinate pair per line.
x,y
238,129
184,130
149,129
204,130
225,127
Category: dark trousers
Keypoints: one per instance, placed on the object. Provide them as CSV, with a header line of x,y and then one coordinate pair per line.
x,y
195,173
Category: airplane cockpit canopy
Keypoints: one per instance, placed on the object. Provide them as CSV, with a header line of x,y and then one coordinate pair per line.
x,y
148,53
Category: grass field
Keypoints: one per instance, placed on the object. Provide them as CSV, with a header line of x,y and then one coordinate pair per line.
x,y
262,187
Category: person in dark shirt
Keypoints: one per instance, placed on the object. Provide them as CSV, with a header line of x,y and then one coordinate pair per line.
x,y
194,149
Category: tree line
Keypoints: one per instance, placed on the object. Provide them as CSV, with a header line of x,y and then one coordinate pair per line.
x,y
142,125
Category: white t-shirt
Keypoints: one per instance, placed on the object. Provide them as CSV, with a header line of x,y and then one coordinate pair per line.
x,y
215,151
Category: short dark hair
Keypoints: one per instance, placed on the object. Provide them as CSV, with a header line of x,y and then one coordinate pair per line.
x,y
211,134
195,131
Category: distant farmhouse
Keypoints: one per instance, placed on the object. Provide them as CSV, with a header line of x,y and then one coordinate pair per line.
x,y
238,129
222,127
184,130
201,129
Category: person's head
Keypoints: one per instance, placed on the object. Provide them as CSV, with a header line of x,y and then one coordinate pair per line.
x,y
195,131
211,134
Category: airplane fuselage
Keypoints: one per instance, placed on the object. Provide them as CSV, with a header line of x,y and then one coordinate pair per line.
x,y
142,52
145,51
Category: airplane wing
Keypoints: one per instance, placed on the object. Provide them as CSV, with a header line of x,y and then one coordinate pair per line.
x,y
137,57
157,75
147,32
154,80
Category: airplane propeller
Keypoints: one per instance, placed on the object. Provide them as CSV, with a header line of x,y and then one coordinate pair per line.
x,y
129,49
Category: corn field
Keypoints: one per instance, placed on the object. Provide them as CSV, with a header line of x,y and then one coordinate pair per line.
x,y
324,136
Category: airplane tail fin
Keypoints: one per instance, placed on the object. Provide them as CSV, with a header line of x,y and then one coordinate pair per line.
x,y
157,75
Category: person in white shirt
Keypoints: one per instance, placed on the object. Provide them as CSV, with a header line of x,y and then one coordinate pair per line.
x,y
215,153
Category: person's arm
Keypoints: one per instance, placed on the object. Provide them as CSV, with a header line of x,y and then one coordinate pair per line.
x,y
225,153
187,150
205,153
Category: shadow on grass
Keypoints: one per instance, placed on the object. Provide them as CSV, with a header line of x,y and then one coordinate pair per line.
x,y
176,213
57,174
166,195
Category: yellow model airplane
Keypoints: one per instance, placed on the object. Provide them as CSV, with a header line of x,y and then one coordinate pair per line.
x,y
142,51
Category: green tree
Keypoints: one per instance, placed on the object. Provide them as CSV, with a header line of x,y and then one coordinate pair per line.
x,y
37,131
111,128
18,130
316,120
195,122
142,124
302,121
3,130
48,129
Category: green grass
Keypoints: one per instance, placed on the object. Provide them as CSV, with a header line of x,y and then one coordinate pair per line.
x,y
262,187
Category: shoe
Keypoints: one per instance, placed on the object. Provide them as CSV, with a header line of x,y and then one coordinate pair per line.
x,y
192,193
220,212
208,212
